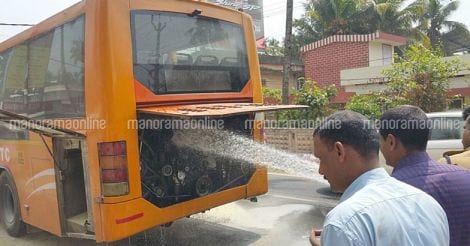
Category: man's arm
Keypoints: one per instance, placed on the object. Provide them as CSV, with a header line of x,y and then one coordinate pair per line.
x,y
335,236
314,237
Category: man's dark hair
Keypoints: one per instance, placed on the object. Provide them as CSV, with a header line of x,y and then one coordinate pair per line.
x,y
407,123
350,128
466,113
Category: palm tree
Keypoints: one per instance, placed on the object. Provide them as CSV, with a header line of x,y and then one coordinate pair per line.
x,y
329,17
433,22
333,17
324,18
391,16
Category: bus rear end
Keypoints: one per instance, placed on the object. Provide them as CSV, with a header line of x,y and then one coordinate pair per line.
x,y
196,75
178,57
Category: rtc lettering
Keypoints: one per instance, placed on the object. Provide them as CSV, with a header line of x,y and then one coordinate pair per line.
x,y
4,154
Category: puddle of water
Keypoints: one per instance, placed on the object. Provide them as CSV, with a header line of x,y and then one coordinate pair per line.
x,y
229,144
250,218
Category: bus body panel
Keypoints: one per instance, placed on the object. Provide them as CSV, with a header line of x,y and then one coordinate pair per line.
x,y
32,168
147,98
188,6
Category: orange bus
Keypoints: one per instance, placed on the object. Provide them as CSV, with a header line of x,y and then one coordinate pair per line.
x,y
77,156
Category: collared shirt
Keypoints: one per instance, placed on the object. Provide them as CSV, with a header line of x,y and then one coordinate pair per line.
x,y
448,184
462,159
377,209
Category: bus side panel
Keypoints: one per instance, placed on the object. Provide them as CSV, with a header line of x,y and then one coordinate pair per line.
x,y
15,158
32,168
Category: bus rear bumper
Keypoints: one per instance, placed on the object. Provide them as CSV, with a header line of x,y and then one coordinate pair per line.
x,y
121,220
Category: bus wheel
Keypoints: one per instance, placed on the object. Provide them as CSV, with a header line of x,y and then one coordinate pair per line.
x,y
9,207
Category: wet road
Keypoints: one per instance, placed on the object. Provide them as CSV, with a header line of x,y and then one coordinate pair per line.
x,y
284,216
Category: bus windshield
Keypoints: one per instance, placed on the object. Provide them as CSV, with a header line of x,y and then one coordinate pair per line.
x,y
177,53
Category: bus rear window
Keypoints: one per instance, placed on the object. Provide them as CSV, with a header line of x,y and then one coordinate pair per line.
x,y
175,53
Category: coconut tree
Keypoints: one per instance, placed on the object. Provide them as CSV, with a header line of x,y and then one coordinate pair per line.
x,y
391,16
323,18
432,17
339,16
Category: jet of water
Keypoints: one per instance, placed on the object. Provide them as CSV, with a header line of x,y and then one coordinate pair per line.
x,y
234,146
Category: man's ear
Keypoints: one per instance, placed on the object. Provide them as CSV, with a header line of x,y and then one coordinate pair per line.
x,y
340,151
391,141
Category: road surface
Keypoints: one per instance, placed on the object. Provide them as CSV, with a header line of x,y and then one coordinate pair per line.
x,y
284,216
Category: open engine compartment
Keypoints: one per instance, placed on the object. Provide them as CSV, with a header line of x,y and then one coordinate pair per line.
x,y
171,173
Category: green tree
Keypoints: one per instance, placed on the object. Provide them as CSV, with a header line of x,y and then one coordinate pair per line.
x,y
324,18
304,33
330,17
421,78
421,20
433,21
273,47
391,16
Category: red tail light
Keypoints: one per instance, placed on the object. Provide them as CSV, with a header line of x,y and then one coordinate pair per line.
x,y
114,175
113,164
112,148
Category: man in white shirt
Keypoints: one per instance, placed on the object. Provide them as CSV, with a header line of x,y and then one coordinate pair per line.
x,y
375,209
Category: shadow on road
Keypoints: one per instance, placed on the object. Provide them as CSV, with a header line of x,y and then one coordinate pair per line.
x,y
181,233
193,232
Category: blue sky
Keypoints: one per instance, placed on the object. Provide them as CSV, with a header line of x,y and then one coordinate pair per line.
x,y
33,11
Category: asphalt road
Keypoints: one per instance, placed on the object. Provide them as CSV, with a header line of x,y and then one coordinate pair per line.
x,y
284,216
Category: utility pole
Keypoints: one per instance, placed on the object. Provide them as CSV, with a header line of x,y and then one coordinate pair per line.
x,y
287,52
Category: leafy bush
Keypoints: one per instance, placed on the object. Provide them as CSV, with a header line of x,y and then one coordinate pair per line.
x,y
421,78
310,94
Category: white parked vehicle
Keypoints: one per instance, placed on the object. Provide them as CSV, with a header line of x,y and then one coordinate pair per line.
x,y
446,133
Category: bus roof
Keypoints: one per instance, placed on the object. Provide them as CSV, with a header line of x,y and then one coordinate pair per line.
x,y
67,15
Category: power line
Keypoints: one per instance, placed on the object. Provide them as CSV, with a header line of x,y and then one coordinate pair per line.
x,y
15,24
280,8
274,6
277,12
